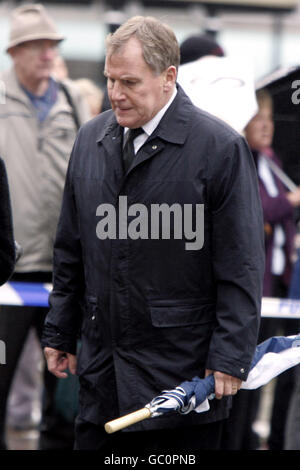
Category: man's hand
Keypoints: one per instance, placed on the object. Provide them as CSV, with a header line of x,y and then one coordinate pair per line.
x,y
58,361
224,384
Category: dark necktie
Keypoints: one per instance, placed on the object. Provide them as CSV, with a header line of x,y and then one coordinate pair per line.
x,y
128,148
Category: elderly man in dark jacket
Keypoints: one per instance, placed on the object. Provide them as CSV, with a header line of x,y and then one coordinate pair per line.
x,y
158,261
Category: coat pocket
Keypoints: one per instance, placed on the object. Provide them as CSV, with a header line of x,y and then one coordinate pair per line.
x,y
167,316
90,323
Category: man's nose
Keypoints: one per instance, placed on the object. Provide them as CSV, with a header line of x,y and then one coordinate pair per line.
x,y
48,53
267,124
117,92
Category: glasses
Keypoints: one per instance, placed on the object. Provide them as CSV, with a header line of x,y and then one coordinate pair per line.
x,y
39,46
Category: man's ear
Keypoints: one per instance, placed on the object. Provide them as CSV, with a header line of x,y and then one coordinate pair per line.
x,y
170,78
12,51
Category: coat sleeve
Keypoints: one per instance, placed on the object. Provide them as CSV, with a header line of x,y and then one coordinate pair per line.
x,y
7,247
64,318
237,258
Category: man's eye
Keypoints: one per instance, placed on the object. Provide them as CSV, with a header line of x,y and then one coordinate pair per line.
x,y
129,82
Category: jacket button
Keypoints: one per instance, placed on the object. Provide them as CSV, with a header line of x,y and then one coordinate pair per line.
x,y
154,147
242,370
93,317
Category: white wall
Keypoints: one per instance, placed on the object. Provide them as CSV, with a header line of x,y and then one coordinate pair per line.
x,y
240,34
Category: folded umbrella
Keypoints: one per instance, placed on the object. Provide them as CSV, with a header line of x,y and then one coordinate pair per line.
x,y
271,358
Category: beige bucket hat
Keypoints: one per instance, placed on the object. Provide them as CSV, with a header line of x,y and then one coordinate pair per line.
x,y
31,22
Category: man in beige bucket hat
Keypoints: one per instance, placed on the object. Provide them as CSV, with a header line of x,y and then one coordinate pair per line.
x,y
33,46
39,119
29,23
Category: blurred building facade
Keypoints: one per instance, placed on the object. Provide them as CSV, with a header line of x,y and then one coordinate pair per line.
x,y
269,36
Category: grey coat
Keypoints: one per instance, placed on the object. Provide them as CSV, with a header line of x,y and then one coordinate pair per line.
x,y
36,157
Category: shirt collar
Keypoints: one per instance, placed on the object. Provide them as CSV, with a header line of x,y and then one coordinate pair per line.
x,y
50,94
150,126
174,126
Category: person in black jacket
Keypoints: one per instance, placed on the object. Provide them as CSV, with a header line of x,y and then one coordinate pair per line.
x,y
7,243
155,304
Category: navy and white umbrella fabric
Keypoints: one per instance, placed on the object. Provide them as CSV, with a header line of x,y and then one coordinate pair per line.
x,y
271,358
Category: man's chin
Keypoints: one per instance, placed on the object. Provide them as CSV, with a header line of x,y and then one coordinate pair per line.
x,y
42,78
125,122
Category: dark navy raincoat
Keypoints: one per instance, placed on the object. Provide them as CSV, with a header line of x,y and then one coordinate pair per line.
x,y
151,313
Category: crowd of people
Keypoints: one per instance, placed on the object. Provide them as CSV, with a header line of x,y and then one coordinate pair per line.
x,y
39,121
132,317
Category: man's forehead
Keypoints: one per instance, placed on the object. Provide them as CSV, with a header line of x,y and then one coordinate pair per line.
x,y
123,64
132,45
131,50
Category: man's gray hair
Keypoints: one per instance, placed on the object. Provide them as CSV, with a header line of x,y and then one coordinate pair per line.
x,y
159,44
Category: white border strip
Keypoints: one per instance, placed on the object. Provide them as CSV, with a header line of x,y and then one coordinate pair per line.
x,y
271,307
8,296
280,308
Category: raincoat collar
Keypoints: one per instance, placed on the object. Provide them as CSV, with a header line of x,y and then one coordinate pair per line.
x,y
14,90
173,126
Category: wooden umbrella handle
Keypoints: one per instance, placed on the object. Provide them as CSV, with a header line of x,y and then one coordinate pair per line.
x,y
127,420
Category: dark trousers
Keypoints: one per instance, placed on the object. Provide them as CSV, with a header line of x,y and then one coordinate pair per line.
x,y
238,433
89,436
15,323
285,382
292,430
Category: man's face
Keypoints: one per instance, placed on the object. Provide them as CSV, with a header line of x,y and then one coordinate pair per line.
x,y
136,93
34,59
260,130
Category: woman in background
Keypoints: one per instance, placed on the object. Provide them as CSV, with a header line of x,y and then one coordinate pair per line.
x,y
278,205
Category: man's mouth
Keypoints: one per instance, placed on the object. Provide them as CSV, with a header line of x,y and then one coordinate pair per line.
x,y
122,110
